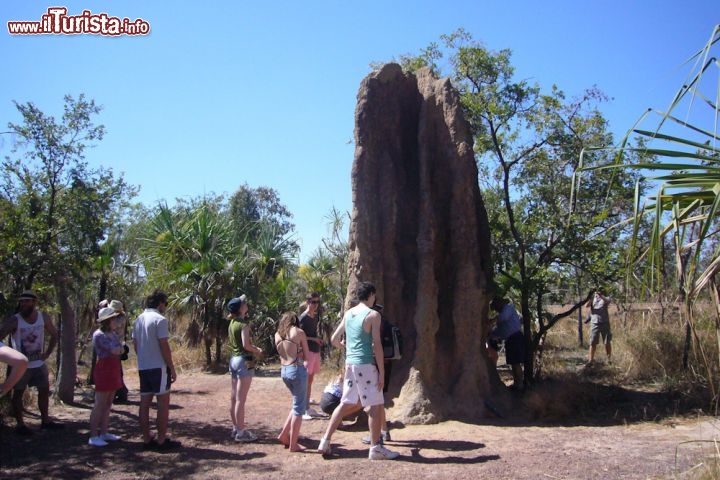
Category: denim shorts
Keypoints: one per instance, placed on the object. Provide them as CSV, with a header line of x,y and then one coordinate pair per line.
x,y
239,368
295,378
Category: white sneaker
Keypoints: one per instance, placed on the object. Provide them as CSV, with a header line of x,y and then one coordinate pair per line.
x,y
379,452
311,412
307,417
109,437
97,442
234,432
324,447
245,436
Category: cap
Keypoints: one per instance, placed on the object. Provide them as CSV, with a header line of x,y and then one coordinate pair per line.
x,y
28,295
106,314
233,305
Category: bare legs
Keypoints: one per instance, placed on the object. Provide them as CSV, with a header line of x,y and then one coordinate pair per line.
x,y
43,403
18,364
310,377
238,395
163,414
593,348
339,413
100,415
291,432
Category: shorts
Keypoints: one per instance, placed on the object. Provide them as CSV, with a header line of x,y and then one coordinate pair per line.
x,y
313,362
154,381
361,385
239,367
329,402
295,379
34,377
598,330
107,374
515,349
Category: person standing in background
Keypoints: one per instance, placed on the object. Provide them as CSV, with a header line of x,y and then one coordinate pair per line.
x,y
309,320
600,324
156,370
28,328
106,375
242,366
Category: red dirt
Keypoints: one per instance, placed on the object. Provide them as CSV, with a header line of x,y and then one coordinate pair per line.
x,y
200,419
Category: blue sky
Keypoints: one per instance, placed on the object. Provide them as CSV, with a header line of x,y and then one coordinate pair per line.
x,y
222,93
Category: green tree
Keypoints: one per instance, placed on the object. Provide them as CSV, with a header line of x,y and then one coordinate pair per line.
x,y
56,211
528,146
190,252
207,250
684,208
326,271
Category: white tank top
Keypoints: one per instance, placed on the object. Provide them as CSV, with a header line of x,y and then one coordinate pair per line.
x,y
29,339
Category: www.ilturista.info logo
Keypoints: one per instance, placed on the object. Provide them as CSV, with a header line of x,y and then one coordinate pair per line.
x,y
58,22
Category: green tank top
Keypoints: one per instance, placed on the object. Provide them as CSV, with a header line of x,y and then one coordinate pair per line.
x,y
358,342
235,337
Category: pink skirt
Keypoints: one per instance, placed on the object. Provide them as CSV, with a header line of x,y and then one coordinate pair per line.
x,y
107,374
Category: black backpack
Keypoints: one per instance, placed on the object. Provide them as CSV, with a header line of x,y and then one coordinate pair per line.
x,y
391,340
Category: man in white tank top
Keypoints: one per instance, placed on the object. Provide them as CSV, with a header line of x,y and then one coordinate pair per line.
x,y
27,329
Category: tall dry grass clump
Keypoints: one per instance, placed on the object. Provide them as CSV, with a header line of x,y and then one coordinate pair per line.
x,y
646,378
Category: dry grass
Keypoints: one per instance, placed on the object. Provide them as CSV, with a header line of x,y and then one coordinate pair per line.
x,y
646,380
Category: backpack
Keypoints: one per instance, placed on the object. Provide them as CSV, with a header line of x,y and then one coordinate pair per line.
x,y
391,340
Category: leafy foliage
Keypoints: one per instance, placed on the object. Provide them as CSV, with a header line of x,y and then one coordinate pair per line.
x,y
528,146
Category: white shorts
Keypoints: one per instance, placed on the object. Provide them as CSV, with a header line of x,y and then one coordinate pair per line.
x,y
361,385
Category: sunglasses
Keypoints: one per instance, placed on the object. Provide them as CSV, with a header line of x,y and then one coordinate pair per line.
x,y
315,302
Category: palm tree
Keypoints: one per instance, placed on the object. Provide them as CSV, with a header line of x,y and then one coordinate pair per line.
x,y
686,205
192,253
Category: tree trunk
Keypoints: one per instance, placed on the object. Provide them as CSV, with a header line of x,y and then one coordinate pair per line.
x,y
207,341
688,336
67,371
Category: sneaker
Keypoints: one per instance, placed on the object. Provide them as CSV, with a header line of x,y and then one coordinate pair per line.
x,y
23,431
245,436
234,432
324,447
110,437
50,425
379,452
311,412
384,437
307,417
168,444
97,442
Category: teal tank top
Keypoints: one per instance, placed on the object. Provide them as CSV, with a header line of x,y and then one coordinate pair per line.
x,y
358,342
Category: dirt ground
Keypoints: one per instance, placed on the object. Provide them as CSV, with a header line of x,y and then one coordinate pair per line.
x,y
199,418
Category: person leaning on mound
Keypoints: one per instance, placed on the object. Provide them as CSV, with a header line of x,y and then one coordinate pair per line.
x,y
28,328
508,327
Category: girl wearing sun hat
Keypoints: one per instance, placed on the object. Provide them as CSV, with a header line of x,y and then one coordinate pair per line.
x,y
106,375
